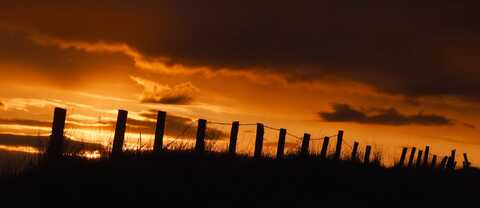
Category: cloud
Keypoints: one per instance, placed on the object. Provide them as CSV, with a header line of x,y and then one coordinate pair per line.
x,y
178,126
390,116
471,126
399,47
175,126
181,94
25,122
41,142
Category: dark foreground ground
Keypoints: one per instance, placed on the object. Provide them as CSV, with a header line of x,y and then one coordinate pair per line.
x,y
216,180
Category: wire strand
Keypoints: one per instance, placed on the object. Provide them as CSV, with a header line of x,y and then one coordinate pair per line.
x,y
188,127
219,123
248,124
272,128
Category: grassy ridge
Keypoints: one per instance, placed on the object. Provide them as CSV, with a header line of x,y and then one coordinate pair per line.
x,y
219,180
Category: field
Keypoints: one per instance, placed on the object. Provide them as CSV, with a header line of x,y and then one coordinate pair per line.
x,y
200,176
185,178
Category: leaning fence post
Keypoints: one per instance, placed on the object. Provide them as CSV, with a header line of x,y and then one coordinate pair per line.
x,y
281,143
232,147
466,163
425,156
434,161
367,154
451,161
412,156
55,146
119,137
305,145
159,132
338,150
443,163
200,139
402,157
354,151
419,159
323,152
259,141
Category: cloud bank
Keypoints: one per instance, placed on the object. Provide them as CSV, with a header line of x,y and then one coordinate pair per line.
x,y
382,116
407,48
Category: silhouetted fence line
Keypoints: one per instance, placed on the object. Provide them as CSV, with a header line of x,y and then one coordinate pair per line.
x,y
447,163
55,147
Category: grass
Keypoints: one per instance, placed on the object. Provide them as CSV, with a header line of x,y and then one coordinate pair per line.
x,y
182,177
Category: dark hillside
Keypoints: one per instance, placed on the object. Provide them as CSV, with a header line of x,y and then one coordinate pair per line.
x,y
218,180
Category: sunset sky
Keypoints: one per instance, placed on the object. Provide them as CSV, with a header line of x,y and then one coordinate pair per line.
x,y
391,74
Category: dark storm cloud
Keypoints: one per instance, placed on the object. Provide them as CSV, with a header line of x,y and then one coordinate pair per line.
x,y
390,116
413,48
19,49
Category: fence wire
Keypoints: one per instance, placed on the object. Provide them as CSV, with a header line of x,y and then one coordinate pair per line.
x,y
292,137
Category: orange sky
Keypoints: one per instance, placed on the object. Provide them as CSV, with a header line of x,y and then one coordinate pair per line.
x,y
81,63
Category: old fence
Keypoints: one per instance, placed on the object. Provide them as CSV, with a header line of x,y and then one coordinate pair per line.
x,y
55,147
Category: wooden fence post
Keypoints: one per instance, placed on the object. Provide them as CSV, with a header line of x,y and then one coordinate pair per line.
x,y
368,149
119,137
200,140
451,161
55,146
281,143
338,150
443,163
419,159
354,151
232,147
259,141
159,132
323,152
426,156
466,163
412,156
305,145
434,161
401,163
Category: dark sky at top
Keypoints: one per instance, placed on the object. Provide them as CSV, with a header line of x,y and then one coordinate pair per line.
x,y
413,48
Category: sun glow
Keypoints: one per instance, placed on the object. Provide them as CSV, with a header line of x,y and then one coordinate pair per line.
x,y
91,154
24,149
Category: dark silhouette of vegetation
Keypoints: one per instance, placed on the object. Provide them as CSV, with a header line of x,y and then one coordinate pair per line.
x,y
182,177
